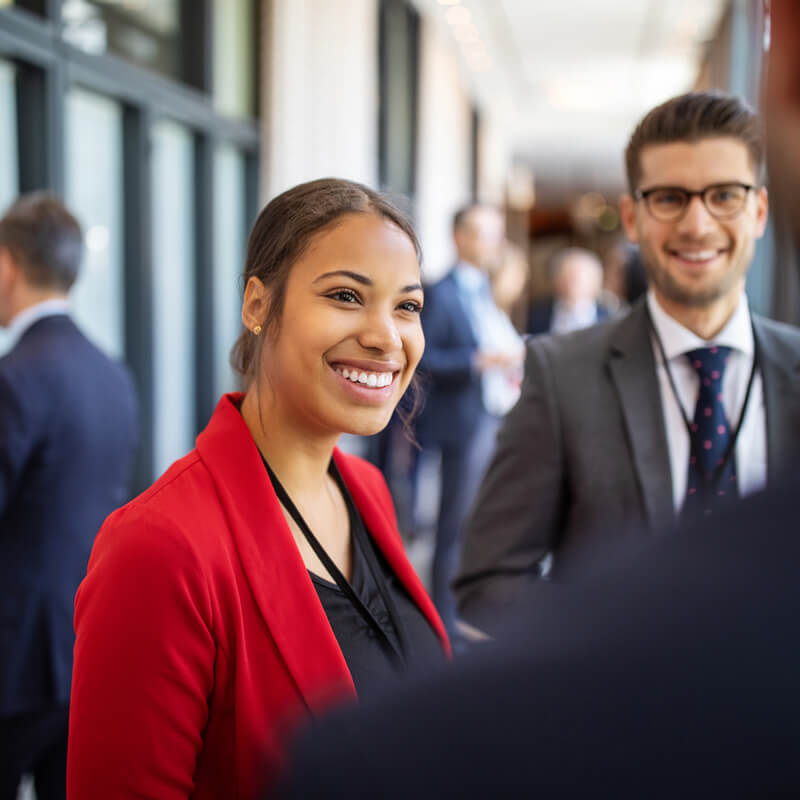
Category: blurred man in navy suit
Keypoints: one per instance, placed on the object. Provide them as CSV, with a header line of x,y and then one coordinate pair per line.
x,y
671,672
67,437
471,370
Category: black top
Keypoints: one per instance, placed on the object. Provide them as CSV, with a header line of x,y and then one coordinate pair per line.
x,y
389,634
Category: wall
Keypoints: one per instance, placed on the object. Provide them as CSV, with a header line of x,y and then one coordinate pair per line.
x,y
443,155
320,92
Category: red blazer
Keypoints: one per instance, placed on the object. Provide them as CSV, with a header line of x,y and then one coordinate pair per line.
x,y
200,639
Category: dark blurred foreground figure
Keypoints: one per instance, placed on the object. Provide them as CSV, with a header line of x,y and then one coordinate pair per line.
x,y
67,437
674,672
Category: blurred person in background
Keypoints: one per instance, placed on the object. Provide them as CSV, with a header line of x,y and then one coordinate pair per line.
x,y
673,673
67,439
625,277
471,370
577,278
509,279
686,403
262,578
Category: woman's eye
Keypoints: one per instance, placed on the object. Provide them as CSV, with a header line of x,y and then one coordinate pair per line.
x,y
344,296
411,305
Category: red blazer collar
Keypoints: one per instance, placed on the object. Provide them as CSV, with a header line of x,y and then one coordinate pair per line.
x,y
271,561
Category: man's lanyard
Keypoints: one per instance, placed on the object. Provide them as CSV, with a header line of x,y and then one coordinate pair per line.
x,y
723,462
360,539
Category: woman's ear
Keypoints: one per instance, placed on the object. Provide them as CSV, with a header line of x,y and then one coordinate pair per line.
x,y
255,305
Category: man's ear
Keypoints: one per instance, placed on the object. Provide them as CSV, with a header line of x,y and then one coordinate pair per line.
x,y
627,215
255,304
9,270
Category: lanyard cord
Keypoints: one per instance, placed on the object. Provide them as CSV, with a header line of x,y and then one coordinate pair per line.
x,y
723,463
357,531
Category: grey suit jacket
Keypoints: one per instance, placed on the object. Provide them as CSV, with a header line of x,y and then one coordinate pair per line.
x,y
582,458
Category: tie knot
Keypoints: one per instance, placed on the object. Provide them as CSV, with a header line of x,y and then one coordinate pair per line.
x,y
709,361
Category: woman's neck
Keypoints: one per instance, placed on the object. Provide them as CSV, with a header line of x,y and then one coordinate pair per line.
x,y
300,460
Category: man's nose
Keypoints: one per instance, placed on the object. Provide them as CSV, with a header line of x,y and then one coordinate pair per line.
x,y
696,218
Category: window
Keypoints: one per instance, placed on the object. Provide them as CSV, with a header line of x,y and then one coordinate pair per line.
x,y
94,194
173,293
229,252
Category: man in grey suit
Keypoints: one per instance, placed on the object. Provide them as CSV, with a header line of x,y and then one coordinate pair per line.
x,y
684,403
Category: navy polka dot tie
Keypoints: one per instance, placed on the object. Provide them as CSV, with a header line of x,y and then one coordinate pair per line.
x,y
712,478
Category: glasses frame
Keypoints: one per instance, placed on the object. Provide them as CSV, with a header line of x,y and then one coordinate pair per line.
x,y
644,194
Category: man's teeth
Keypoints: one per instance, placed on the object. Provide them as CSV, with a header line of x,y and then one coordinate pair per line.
x,y
375,380
704,255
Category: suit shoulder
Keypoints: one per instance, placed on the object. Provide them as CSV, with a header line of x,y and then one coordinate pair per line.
x,y
781,330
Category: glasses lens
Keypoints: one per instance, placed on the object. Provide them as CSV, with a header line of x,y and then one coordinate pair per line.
x,y
723,201
666,204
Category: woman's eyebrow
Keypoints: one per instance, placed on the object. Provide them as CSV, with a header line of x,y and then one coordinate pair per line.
x,y
362,279
345,273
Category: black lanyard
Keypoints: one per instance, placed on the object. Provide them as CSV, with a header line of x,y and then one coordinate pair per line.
x,y
729,451
360,540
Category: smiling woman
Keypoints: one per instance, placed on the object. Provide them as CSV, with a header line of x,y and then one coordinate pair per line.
x,y
262,578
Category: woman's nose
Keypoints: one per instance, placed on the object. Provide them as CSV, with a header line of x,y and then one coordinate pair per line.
x,y
380,332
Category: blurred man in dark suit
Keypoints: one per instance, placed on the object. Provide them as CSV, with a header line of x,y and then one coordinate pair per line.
x,y
577,277
674,671
67,436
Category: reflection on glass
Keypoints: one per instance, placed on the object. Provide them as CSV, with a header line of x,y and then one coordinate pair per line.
x,y
233,56
229,247
173,293
94,194
9,185
145,32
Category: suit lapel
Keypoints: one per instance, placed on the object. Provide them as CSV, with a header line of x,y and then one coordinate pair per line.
x,y
633,372
272,564
379,521
779,364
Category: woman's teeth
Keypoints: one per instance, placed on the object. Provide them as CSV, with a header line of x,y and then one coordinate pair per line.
x,y
374,380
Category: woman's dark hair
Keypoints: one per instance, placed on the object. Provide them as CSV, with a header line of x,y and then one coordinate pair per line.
x,y
281,234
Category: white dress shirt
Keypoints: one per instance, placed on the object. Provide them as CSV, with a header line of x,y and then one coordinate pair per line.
x,y
494,333
751,446
565,319
22,321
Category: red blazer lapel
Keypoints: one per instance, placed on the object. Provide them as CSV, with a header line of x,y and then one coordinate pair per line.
x,y
270,559
374,503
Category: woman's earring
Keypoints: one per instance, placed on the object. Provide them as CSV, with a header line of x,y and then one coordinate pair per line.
x,y
257,330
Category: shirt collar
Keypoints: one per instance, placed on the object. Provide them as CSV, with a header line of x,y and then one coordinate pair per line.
x,y
677,340
47,308
469,277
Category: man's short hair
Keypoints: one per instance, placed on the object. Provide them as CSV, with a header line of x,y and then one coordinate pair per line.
x,y
44,240
460,217
691,118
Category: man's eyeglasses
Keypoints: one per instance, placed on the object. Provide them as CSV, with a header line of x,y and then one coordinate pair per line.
x,y
669,203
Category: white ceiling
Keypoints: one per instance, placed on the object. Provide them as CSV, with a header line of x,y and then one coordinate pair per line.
x,y
570,78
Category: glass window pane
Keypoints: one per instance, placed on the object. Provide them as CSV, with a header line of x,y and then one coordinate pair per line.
x,y
9,173
146,32
173,293
229,249
233,56
94,194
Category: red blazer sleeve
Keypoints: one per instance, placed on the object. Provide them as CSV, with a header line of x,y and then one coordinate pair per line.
x,y
144,664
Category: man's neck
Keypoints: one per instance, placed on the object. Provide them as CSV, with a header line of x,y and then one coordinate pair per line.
x,y
706,321
33,297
